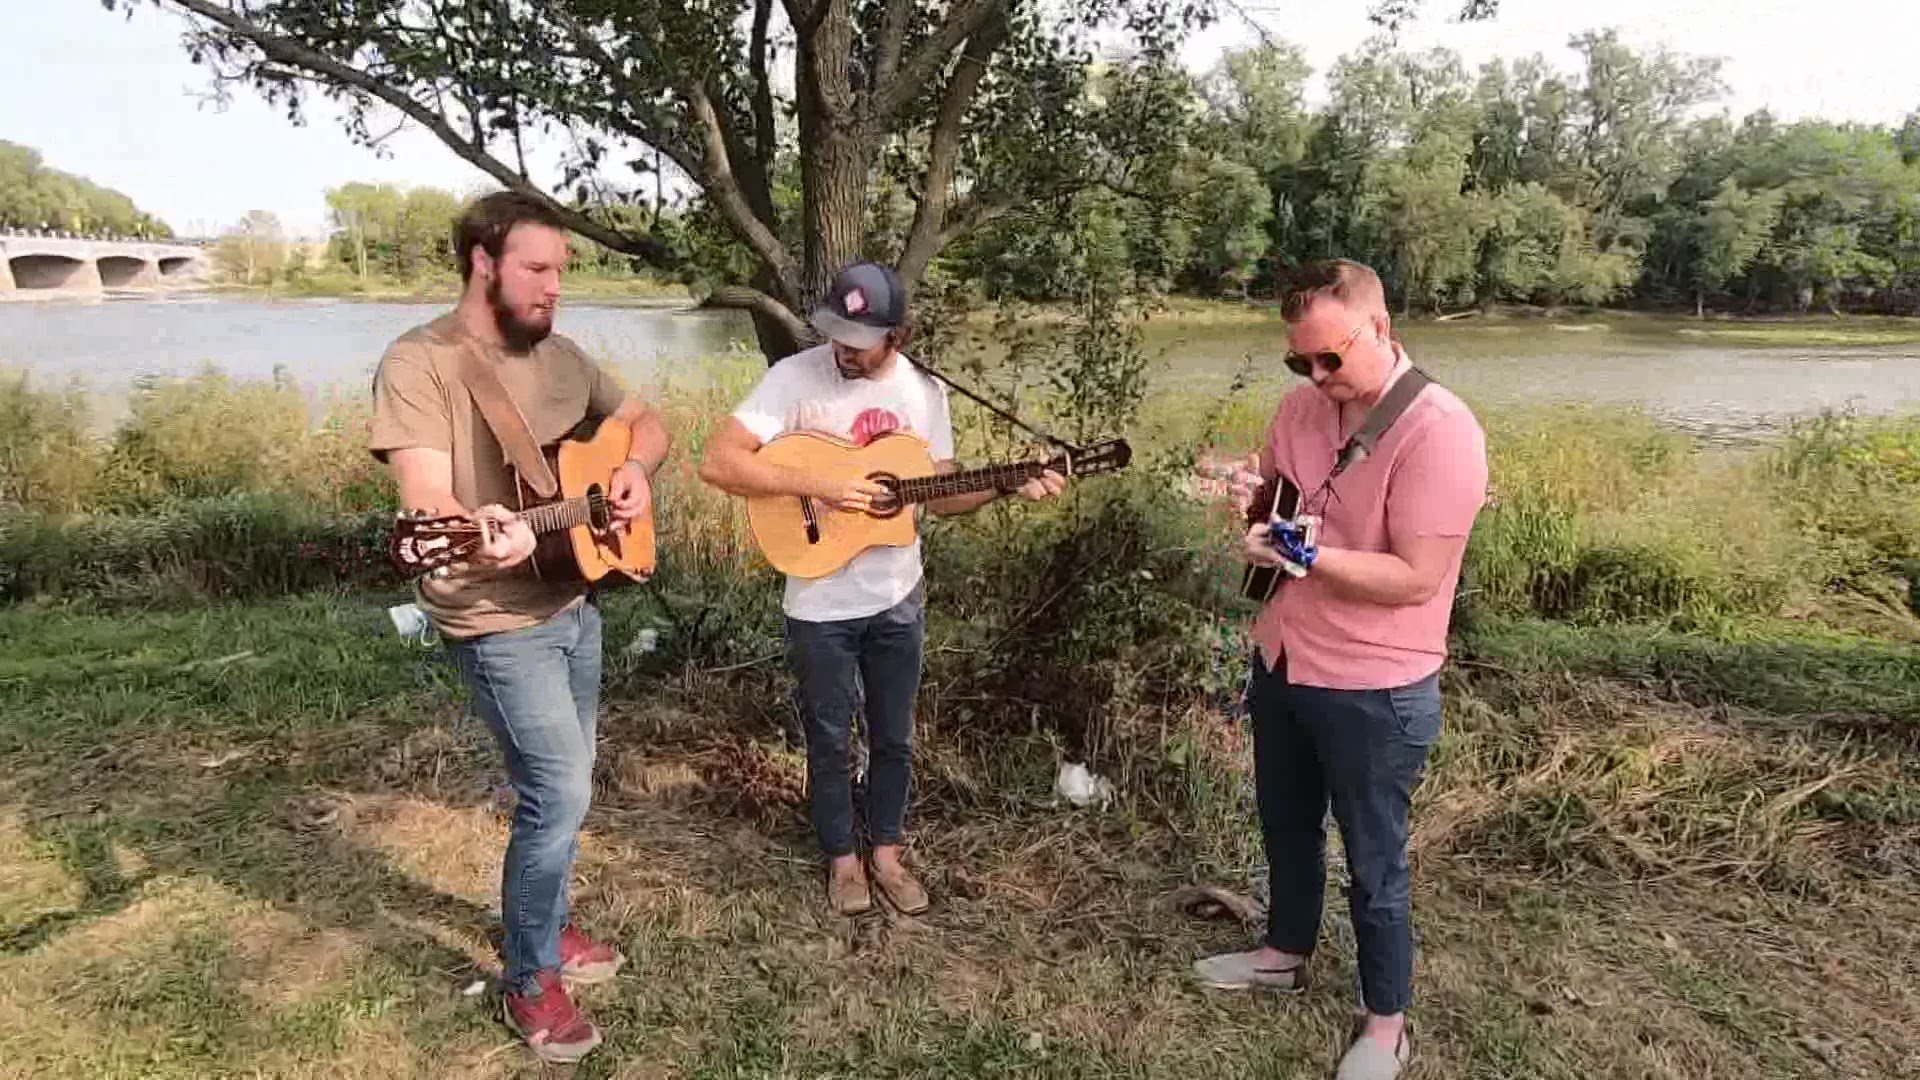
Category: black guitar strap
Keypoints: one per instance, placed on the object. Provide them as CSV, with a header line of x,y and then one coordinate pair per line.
x,y
1381,417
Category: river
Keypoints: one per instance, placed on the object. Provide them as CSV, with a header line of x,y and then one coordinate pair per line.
x,y
1719,391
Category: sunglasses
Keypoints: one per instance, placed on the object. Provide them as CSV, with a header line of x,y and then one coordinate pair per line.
x,y
1301,364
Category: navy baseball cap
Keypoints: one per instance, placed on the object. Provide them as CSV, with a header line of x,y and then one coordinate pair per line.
x,y
865,301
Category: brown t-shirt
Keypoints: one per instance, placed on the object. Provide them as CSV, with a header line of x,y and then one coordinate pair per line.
x,y
419,401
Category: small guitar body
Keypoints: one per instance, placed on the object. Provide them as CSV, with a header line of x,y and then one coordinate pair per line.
x,y
806,538
576,541
1276,498
594,550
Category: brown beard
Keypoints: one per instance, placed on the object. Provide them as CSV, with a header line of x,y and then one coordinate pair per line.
x,y
519,335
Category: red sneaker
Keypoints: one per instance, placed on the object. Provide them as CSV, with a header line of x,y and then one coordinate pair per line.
x,y
584,960
557,1032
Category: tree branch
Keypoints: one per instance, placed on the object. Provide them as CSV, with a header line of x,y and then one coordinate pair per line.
x,y
287,51
724,189
925,238
661,139
926,61
973,213
745,298
893,36
763,134
715,171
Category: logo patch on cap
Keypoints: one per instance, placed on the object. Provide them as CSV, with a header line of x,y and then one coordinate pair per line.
x,y
856,301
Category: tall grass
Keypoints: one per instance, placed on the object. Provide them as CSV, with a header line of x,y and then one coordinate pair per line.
x,y
1601,517
1595,516
202,436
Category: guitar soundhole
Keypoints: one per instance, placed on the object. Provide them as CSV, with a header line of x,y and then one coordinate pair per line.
x,y
597,513
889,504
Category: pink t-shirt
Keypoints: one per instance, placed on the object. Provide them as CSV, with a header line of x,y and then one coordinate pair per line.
x,y
1427,476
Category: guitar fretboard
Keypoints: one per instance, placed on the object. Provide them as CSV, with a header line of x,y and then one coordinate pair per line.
x,y
557,515
923,488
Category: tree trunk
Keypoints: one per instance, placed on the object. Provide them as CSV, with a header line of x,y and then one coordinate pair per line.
x,y
1699,303
775,338
833,174
835,206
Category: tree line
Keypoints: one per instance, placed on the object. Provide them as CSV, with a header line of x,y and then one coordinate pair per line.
x,y
33,196
994,144
1518,183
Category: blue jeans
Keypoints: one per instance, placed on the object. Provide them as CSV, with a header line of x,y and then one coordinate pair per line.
x,y
833,662
1365,751
538,689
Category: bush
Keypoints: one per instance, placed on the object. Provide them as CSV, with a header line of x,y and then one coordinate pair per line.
x,y
49,459
1603,518
232,546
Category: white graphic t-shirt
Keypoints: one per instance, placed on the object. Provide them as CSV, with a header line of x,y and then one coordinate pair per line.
x,y
806,391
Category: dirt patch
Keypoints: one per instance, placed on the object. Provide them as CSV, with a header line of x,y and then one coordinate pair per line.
x,y
32,881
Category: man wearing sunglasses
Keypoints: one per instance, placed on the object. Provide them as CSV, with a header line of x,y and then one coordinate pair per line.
x,y
1344,696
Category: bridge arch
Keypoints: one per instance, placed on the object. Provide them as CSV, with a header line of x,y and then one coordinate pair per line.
x,y
122,271
52,272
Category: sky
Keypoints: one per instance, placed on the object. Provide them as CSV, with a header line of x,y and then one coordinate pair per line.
x,y
116,99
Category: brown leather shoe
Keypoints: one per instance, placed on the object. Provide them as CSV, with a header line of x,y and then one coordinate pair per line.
x,y
901,890
848,892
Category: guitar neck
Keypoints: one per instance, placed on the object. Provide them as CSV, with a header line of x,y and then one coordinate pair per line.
x,y
992,478
556,516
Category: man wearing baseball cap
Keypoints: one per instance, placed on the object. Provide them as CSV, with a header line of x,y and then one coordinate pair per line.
x,y
861,627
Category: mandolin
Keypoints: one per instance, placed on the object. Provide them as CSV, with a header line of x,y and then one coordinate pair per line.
x,y
576,540
806,538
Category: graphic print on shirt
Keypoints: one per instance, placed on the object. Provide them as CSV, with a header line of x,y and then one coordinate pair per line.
x,y
873,423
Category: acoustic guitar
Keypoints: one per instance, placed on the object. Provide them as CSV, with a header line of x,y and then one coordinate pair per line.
x,y
575,538
807,538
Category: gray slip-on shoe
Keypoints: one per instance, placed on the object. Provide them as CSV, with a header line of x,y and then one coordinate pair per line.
x,y
1237,971
1366,1059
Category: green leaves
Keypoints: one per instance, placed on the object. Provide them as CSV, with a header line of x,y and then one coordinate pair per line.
x,y
33,196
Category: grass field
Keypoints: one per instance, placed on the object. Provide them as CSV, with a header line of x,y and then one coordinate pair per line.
x,y
260,840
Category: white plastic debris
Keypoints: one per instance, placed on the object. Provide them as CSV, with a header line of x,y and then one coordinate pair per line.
x,y
1081,787
474,988
646,641
412,624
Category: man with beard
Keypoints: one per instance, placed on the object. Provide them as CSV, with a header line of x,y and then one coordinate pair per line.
x,y
528,649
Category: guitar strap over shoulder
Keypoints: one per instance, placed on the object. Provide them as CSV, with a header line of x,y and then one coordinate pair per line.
x,y
508,424
1381,417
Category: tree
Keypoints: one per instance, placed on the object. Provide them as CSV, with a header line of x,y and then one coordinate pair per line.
x,y
1628,116
34,196
254,249
1729,234
1256,107
1230,213
363,214
974,108
977,104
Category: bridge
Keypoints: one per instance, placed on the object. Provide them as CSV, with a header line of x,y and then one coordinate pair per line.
x,y
46,264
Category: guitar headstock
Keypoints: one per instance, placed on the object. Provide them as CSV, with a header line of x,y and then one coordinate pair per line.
x,y
1100,457
421,544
